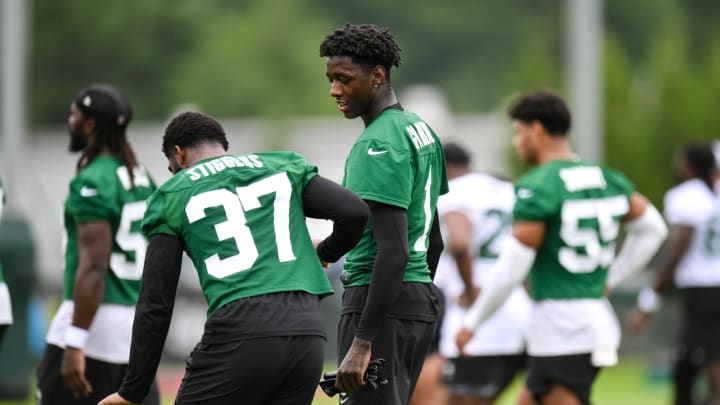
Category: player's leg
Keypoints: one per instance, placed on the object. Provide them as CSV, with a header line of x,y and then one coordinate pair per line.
x,y
480,380
684,373
3,328
305,363
403,344
712,370
561,380
430,389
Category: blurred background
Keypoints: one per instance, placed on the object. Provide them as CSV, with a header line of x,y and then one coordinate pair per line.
x,y
642,78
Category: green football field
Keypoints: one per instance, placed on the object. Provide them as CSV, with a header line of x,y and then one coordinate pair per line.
x,y
627,383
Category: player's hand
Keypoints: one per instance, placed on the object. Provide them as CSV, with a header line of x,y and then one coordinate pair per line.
x,y
637,320
462,339
352,368
72,371
466,299
325,264
116,399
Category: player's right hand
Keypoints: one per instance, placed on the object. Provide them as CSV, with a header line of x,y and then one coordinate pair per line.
x,y
462,339
72,371
466,299
637,320
116,399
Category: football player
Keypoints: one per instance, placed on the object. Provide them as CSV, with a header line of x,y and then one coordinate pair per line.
x,y
241,219
88,343
390,306
691,259
566,220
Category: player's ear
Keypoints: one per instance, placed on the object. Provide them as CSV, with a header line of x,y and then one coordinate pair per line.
x,y
180,155
378,76
89,125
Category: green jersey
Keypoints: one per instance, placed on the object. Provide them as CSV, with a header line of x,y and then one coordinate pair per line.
x,y
242,222
581,205
102,191
398,160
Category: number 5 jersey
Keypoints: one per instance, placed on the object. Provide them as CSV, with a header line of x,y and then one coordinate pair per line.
x,y
102,191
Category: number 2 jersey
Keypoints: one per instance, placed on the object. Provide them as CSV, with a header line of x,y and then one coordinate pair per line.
x,y
242,222
581,205
102,191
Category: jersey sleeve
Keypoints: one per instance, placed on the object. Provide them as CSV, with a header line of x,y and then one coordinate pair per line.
x,y
92,199
378,172
534,201
155,220
299,166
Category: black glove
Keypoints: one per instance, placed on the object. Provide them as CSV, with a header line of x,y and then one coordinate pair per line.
x,y
371,377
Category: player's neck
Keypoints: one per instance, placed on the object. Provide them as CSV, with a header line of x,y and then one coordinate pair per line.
x,y
556,149
202,152
385,97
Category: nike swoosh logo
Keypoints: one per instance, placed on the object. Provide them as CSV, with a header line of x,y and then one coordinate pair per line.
x,y
372,152
343,398
88,192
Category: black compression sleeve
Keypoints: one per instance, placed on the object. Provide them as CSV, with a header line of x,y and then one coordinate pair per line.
x,y
323,198
435,247
390,229
152,314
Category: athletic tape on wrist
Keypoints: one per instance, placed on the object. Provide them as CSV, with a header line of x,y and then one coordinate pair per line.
x,y
648,300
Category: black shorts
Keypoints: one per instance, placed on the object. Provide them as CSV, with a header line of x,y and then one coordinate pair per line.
x,y
105,379
404,345
484,376
699,340
272,370
574,372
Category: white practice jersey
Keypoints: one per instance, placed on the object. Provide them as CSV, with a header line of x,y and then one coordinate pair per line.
x,y
692,203
487,202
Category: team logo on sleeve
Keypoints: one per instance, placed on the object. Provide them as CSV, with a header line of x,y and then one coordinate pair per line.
x,y
524,193
86,191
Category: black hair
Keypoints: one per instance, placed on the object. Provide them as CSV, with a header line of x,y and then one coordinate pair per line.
x,y
544,106
700,157
111,111
190,129
456,154
368,45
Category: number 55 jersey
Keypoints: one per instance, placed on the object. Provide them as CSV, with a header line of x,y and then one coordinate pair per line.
x,y
242,222
581,205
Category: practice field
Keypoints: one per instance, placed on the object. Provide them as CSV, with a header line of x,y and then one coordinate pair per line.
x,y
625,384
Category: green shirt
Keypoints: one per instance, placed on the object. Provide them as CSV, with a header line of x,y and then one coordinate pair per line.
x,y
242,222
581,205
102,192
398,160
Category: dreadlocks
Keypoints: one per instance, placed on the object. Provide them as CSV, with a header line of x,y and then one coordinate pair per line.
x,y
112,112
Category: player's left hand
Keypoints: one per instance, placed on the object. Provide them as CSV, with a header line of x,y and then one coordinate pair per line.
x,y
116,399
352,368
462,339
72,370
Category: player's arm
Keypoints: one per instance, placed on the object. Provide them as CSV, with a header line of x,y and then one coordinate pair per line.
x,y
435,245
390,226
513,265
325,199
153,313
94,239
646,231
459,234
